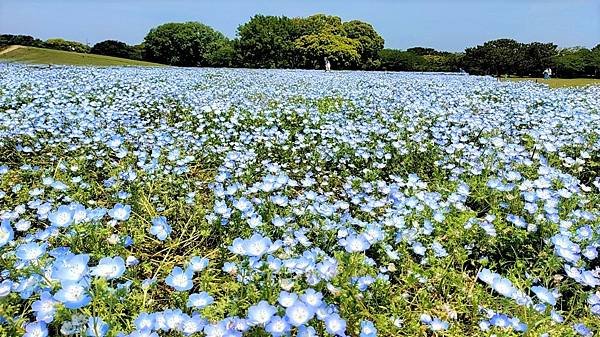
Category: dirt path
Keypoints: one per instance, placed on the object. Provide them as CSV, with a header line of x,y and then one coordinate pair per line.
x,y
9,49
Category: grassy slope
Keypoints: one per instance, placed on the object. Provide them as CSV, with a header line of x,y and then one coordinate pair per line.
x,y
50,56
560,82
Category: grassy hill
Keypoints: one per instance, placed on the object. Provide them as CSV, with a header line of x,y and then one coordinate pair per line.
x,y
51,56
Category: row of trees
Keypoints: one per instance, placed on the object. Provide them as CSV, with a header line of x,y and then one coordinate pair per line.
x,y
282,42
268,42
108,47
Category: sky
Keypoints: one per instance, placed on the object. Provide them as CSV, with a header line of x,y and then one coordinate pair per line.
x,y
450,25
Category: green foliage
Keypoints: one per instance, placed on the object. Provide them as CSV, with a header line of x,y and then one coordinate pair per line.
x,y
370,42
577,62
116,49
319,23
61,44
494,57
341,51
22,40
398,60
182,44
267,42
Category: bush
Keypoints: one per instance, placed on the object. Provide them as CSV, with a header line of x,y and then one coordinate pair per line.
x,y
61,44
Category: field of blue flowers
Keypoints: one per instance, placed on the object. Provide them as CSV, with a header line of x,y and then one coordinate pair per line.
x,y
213,202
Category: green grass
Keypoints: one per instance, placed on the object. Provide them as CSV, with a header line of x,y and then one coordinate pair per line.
x,y
49,56
560,82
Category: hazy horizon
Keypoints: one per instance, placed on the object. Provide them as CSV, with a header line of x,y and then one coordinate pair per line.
x,y
442,25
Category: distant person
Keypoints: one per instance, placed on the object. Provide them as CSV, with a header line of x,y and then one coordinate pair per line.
x,y
546,74
327,65
549,72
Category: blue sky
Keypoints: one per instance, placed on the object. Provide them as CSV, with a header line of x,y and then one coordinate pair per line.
x,y
445,25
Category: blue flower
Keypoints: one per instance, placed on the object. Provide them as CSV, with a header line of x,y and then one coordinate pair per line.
x,y
70,267
120,212
261,313
73,295
545,295
367,329
335,325
160,228
36,329
299,313
277,327
6,233
96,327
179,279
199,301
62,217
109,268
30,251
198,263
44,308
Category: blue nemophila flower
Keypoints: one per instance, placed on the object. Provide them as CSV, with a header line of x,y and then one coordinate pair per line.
x,y
5,288
96,327
70,267
180,279
73,295
261,313
277,327
335,325
355,243
286,299
144,321
44,308
434,323
299,313
160,228
199,301
30,251
109,268
367,329
62,217
545,295
582,330
36,329
6,232
198,263
120,212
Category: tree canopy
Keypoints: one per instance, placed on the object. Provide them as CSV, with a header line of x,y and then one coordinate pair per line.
x,y
182,44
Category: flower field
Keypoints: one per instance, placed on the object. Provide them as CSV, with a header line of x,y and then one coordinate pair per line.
x,y
223,202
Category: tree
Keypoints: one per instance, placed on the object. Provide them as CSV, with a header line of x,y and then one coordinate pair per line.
x,y
370,42
62,44
319,24
22,40
267,42
223,55
574,62
494,57
181,44
341,51
422,51
114,48
398,60
535,57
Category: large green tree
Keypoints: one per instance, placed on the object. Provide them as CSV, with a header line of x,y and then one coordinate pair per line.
x,y
535,57
370,42
114,48
267,42
574,62
342,52
494,57
319,24
182,44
